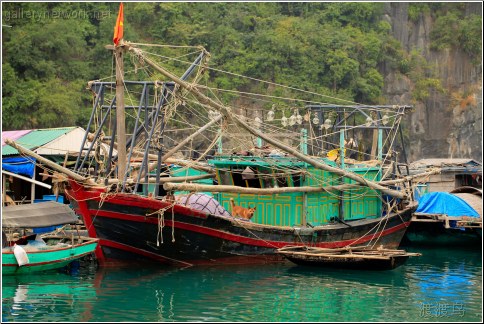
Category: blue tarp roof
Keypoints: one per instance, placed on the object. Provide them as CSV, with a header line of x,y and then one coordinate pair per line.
x,y
19,165
445,203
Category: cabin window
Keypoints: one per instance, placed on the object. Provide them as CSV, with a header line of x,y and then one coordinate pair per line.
x,y
266,178
225,177
237,177
268,182
296,180
468,180
251,177
282,180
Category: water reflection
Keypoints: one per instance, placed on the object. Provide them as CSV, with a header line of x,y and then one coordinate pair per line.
x,y
272,292
448,283
45,297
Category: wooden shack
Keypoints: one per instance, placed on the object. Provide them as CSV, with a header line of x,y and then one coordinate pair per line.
x,y
455,173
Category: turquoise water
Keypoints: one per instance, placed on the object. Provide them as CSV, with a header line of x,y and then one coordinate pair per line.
x,y
442,285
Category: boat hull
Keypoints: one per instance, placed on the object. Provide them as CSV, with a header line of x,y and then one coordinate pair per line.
x,y
351,263
359,258
130,226
45,260
435,234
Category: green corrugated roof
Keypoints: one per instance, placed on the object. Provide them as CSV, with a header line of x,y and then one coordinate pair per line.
x,y
36,138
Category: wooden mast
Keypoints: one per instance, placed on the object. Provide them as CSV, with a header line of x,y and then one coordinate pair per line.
x,y
227,112
120,113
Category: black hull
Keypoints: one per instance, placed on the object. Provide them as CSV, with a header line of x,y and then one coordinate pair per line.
x,y
435,234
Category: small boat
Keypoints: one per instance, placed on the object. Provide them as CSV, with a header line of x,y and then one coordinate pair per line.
x,y
360,258
35,252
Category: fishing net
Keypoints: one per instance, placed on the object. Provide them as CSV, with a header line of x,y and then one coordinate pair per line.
x,y
204,203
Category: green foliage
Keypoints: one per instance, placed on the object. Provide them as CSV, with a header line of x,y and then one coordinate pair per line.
x,y
370,86
337,49
424,86
470,36
443,34
417,9
452,29
423,76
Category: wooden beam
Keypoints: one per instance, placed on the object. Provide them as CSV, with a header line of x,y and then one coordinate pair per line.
x,y
170,186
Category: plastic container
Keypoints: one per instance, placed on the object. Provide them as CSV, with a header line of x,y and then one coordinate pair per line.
x,y
20,255
60,199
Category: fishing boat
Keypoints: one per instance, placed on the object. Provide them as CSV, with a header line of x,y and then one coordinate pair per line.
x,y
144,202
347,258
37,253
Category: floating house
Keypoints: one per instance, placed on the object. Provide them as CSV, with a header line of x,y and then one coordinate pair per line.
x,y
455,173
23,181
450,204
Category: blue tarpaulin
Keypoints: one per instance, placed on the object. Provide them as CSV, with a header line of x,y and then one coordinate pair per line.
x,y
19,165
445,203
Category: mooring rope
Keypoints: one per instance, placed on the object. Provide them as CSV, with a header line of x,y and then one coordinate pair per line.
x,y
161,222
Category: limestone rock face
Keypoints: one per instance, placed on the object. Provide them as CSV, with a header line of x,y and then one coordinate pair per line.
x,y
445,125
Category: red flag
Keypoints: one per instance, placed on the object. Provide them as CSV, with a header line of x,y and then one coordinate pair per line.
x,y
118,29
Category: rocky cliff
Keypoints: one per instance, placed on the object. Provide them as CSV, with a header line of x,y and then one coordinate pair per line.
x,y
448,123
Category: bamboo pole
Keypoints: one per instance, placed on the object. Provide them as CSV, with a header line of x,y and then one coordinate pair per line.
x,y
411,177
4,189
170,186
32,186
191,164
228,113
169,179
187,178
374,145
269,191
27,179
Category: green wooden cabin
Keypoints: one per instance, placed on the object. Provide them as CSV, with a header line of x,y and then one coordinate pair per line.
x,y
288,209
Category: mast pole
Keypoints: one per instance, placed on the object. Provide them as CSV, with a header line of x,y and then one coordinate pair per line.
x,y
120,113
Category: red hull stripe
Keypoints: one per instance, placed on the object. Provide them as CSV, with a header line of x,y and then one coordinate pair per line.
x,y
243,239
